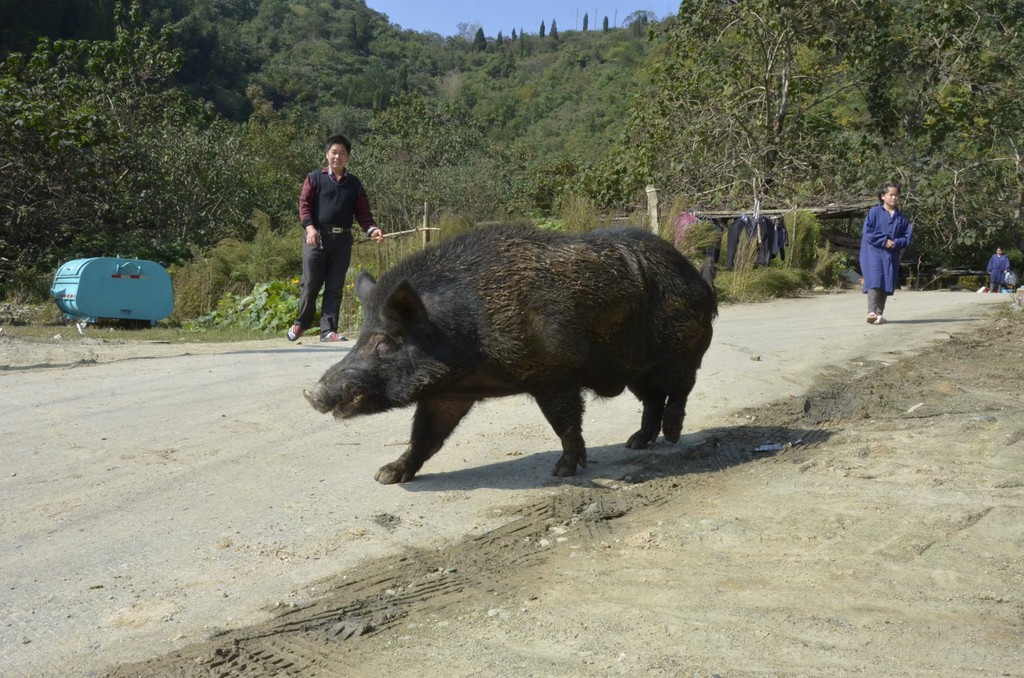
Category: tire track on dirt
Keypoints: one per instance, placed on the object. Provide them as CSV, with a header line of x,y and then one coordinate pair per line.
x,y
315,640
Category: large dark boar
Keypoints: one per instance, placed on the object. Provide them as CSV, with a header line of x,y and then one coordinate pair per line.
x,y
513,309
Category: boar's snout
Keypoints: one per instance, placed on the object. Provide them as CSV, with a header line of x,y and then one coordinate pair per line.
x,y
342,401
317,397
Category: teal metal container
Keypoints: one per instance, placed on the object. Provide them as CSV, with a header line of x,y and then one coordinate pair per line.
x,y
112,287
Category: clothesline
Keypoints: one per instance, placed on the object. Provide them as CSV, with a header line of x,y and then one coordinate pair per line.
x,y
831,211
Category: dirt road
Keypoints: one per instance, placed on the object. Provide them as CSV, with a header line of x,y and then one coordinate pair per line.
x,y
184,499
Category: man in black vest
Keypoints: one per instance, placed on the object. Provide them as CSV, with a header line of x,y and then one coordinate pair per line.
x,y
330,202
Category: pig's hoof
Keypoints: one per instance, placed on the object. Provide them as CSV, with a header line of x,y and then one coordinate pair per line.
x,y
566,466
564,470
392,473
640,440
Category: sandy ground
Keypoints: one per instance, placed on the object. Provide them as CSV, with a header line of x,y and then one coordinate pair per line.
x,y
866,519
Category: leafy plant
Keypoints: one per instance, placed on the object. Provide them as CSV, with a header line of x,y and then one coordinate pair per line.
x,y
152,174
270,307
235,267
725,104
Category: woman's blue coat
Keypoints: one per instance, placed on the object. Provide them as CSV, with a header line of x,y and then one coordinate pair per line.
x,y
879,266
998,265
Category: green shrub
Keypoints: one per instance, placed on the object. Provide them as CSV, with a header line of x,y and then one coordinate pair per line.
x,y
760,284
196,290
242,264
696,239
808,252
578,214
671,208
451,226
748,281
829,268
804,240
270,307
235,267
26,285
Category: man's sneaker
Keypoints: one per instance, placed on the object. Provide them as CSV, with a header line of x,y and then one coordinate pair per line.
x,y
872,317
332,336
880,320
295,332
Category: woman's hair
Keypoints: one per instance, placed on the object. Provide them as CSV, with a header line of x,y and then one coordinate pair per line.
x,y
885,189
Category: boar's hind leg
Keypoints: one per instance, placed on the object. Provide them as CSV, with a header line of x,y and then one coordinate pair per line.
x,y
564,411
433,422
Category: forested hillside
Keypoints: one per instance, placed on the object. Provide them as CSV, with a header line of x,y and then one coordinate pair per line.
x,y
160,128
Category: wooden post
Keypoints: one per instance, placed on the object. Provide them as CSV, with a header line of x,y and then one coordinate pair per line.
x,y
792,243
426,233
652,208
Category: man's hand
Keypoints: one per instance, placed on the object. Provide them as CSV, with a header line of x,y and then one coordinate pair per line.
x,y
312,236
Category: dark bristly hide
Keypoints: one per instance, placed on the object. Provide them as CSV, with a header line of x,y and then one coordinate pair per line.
x,y
513,309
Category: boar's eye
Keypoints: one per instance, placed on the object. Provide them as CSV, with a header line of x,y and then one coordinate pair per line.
x,y
385,347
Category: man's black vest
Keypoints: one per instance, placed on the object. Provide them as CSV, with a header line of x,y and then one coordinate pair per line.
x,y
335,203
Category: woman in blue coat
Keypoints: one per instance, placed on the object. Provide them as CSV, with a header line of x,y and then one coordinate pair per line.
x,y
998,265
886,234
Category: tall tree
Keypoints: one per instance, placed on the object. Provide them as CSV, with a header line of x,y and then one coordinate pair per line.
x,y
640,20
741,100
153,172
756,101
467,30
946,93
423,153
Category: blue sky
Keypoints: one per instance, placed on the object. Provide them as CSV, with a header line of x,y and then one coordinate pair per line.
x,y
444,16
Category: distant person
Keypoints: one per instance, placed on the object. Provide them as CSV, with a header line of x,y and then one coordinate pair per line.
x,y
885,235
332,200
998,265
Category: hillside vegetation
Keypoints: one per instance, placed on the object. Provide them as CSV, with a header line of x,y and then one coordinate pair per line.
x,y
163,128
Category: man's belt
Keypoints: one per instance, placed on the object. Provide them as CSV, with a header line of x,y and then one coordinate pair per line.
x,y
331,228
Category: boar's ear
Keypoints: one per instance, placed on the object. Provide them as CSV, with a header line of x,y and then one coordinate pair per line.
x,y
364,285
405,307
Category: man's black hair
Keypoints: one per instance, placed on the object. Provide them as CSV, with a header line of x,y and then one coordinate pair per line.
x,y
338,139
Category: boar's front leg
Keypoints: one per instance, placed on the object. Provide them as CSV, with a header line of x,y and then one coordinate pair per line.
x,y
664,409
675,409
653,399
564,411
433,422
